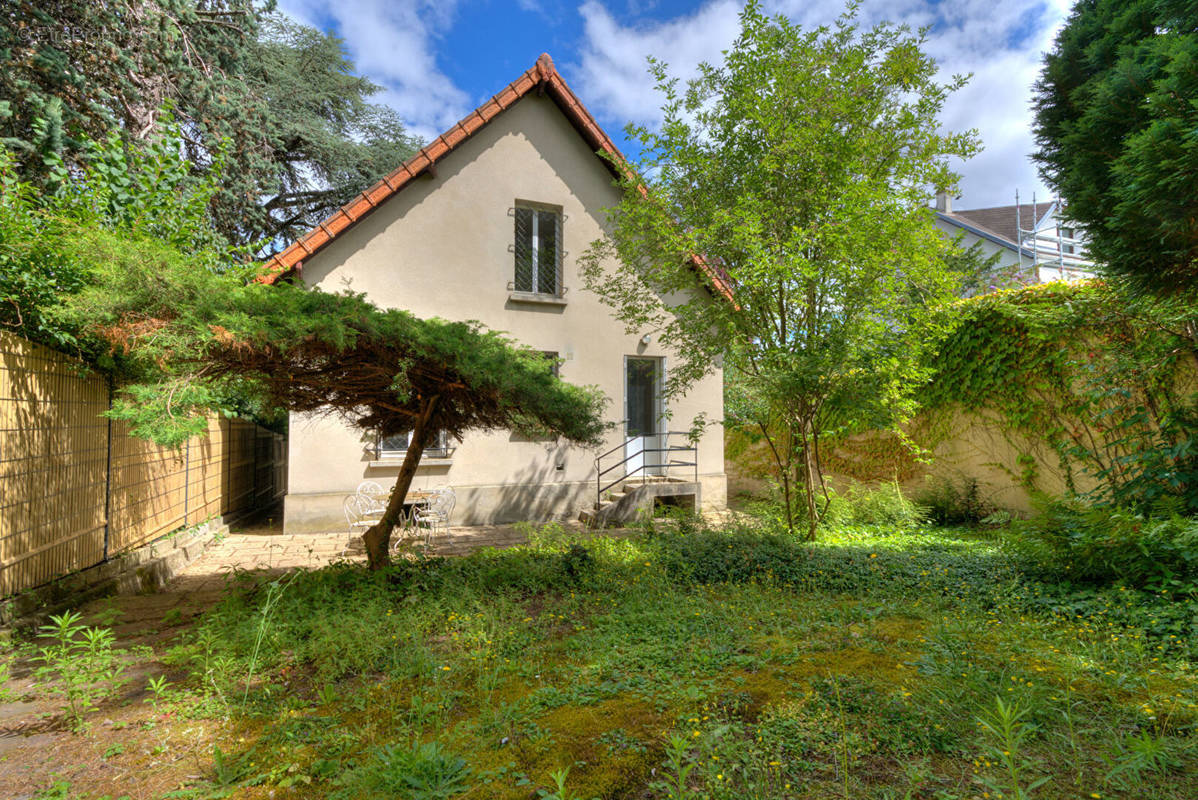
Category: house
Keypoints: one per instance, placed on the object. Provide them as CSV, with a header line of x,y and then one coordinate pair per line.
x,y
486,223
1036,243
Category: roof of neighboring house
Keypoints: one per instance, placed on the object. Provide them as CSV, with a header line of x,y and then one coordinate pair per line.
x,y
1000,223
543,79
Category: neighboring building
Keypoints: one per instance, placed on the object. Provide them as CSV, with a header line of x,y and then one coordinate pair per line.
x,y
1036,245
486,223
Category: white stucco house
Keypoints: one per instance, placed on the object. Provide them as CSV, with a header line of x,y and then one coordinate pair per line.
x,y
486,223
1035,241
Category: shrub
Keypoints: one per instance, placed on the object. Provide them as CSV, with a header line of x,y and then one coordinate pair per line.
x,y
884,504
858,504
954,502
1102,545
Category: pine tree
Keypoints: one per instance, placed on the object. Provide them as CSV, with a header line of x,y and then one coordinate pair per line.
x,y
278,100
1115,123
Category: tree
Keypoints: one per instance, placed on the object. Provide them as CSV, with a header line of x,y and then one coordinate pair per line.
x,y
800,169
328,143
121,265
1115,120
297,128
194,337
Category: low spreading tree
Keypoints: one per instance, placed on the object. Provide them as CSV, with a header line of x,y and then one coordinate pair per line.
x,y
192,339
800,169
122,266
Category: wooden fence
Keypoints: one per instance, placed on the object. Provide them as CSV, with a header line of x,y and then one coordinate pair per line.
x,y
77,489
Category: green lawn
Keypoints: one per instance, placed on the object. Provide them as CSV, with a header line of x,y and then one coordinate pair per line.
x,y
722,664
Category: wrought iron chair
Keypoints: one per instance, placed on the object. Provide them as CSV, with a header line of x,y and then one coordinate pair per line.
x,y
373,493
360,514
435,515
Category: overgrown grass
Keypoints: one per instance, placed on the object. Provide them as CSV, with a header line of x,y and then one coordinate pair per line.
x,y
689,662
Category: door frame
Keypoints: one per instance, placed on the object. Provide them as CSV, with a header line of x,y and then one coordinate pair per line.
x,y
652,462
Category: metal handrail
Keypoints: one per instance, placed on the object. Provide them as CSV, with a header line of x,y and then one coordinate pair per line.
x,y
600,487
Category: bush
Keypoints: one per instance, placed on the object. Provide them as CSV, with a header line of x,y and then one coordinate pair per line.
x,y
1106,545
884,504
949,502
859,504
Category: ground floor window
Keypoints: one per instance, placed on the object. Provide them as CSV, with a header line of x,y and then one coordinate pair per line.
x,y
397,446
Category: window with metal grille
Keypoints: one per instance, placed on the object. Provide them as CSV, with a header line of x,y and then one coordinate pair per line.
x,y
555,363
397,446
538,250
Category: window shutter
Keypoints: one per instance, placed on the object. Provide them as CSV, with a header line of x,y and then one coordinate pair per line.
x,y
547,251
524,250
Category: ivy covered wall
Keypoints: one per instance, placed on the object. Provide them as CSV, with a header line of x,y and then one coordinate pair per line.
x,y
1053,388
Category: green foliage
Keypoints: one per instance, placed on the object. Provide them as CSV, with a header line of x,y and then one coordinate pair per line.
x,y
81,665
1104,382
135,205
1114,121
798,170
856,504
1109,545
709,662
1141,753
1008,734
426,772
883,504
298,131
954,502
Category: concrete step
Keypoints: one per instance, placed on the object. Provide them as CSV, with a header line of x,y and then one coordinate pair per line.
x,y
623,506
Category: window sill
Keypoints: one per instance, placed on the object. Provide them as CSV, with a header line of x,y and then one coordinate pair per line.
x,y
536,297
394,463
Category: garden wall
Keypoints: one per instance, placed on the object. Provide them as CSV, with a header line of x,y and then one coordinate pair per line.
x,y
1008,467
76,489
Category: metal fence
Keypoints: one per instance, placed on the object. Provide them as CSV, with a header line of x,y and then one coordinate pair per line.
x,y
77,489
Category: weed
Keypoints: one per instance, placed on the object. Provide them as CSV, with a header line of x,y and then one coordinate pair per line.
x,y
157,688
274,591
678,766
559,792
1137,754
427,772
1007,730
81,665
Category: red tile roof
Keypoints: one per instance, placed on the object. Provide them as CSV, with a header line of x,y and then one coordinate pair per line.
x,y
542,78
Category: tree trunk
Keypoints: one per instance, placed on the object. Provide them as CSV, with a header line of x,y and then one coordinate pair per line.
x,y
378,536
810,478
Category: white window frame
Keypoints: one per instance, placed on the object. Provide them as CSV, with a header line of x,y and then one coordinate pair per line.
x,y
438,448
535,244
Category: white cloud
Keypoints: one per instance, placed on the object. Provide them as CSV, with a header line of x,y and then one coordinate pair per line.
x,y
392,42
1001,43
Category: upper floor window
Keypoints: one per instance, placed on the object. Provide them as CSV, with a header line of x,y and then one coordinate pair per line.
x,y
1067,233
538,249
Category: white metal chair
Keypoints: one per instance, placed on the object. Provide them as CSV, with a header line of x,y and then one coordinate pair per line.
x,y
373,493
435,515
360,514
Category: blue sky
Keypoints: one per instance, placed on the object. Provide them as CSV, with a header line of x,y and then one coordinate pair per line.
x,y
439,60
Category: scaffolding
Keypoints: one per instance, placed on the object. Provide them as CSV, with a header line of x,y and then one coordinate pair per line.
x,y
1052,244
